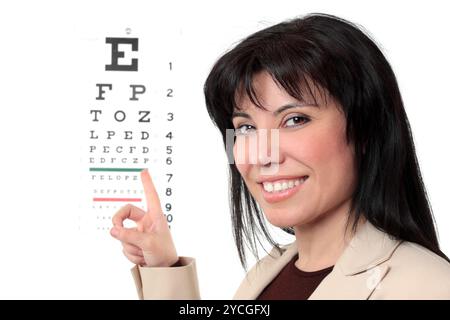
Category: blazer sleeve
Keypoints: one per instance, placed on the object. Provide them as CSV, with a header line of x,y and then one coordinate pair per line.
x,y
174,283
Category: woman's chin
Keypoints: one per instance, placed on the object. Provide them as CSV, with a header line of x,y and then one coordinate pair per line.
x,y
285,219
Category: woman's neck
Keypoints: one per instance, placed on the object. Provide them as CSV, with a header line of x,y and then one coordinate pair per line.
x,y
321,242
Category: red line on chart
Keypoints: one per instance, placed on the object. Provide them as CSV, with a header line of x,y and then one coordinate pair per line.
x,y
119,199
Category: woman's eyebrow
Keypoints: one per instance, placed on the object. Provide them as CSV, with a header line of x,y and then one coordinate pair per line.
x,y
276,112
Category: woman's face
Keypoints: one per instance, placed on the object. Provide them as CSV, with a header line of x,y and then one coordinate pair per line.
x,y
311,143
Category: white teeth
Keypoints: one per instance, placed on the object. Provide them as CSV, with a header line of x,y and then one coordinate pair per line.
x,y
282,185
268,187
277,186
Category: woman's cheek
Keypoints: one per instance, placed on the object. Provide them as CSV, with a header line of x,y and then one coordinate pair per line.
x,y
240,156
331,161
321,146
307,149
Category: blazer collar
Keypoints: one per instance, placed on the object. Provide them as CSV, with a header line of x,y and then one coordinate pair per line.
x,y
368,248
361,267
355,275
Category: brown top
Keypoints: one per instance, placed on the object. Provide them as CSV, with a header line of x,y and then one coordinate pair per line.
x,y
293,284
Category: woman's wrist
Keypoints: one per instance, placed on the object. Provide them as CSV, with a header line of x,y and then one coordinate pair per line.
x,y
177,264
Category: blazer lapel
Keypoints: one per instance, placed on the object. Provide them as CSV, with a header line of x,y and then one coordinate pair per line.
x,y
360,268
264,272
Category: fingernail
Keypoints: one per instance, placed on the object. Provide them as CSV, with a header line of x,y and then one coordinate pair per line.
x,y
114,232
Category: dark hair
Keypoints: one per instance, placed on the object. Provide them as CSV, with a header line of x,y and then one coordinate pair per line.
x,y
337,57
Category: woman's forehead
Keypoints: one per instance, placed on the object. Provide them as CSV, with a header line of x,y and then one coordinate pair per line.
x,y
263,90
244,102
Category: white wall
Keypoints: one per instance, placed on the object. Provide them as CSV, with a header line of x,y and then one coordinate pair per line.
x,y
51,57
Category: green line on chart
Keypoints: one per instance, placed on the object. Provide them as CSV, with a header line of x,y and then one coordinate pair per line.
x,y
117,169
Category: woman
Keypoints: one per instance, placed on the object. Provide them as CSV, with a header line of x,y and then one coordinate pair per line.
x,y
338,171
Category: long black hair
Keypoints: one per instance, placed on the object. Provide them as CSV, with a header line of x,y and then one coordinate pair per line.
x,y
340,58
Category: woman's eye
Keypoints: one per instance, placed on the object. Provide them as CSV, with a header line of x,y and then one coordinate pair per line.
x,y
246,129
297,120
243,129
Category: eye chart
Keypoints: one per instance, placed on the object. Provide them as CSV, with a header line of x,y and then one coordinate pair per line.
x,y
130,103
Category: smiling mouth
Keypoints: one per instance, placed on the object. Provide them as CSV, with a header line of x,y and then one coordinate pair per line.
x,y
282,189
283,184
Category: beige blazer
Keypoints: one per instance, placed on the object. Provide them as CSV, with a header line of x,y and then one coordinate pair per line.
x,y
373,266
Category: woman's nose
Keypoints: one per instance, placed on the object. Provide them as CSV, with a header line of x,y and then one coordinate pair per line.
x,y
268,150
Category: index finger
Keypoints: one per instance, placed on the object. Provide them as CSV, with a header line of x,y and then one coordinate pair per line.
x,y
153,204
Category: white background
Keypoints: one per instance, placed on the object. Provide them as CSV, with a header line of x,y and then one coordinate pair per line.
x,y
43,255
